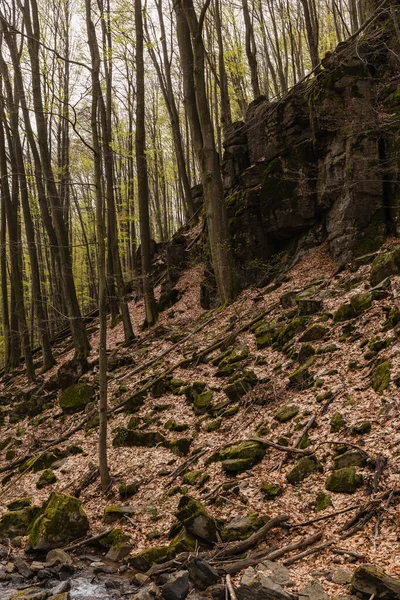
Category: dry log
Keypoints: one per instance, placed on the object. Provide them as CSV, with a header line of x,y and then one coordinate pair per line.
x,y
324,517
89,540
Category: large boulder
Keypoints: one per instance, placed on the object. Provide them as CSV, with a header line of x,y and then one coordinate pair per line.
x,y
61,520
192,514
344,481
75,398
17,522
385,265
370,582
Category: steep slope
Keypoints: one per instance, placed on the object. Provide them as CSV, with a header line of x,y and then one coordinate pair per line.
x,y
323,361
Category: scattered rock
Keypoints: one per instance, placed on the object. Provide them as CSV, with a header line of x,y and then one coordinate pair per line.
x,y
385,265
142,561
58,557
286,413
47,478
61,520
257,585
351,458
240,528
271,490
380,377
17,522
337,422
344,481
201,574
313,591
305,467
177,587
342,576
192,514
369,581
116,512
75,398
322,501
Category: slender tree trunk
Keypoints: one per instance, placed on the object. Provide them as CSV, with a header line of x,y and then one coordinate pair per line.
x,y
142,176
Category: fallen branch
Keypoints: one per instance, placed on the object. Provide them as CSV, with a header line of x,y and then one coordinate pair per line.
x,y
347,552
230,587
89,540
291,561
324,517
288,449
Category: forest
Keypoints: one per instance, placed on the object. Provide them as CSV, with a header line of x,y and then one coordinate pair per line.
x,y
200,299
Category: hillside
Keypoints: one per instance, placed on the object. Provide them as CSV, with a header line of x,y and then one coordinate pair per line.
x,y
311,362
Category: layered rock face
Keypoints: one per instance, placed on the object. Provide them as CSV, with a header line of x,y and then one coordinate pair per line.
x,y
320,164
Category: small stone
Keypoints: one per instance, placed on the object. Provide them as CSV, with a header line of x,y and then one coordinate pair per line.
x,y
286,413
177,587
322,501
271,490
23,568
342,576
344,481
58,557
278,573
201,574
305,467
313,591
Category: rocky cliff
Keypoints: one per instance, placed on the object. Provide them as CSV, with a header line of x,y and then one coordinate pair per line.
x,y
322,163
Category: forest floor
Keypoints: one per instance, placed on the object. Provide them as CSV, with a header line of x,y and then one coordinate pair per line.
x,y
340,374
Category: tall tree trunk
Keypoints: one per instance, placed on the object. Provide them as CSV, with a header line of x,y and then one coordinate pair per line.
x,y
251,50
142,176
192,53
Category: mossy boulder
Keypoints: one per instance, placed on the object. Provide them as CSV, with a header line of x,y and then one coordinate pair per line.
x,y
202,402
361,302
288,332
228,362
193,390
314,333
266,334
249,450
308,306
385,265
61,521
337,422
302,377
344,481
344,313
20,503
135,438
241,528
75,398
116,512
182,542
172,425
48,477
142,561
241,383
111,538
303,469
270,491
180,447
351,458
306,351
361,428
41,462
286,413
127,490
322,501
17,522
380,377
196,478
370,582
195,518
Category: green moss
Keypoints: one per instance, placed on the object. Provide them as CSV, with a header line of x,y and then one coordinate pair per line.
x,y
48,477
303,469
241,528
17,522
322,501
286,413
337,422
142,561
127,490
76,397
192,514
115,536
182,542
240,384
344,312
380,377
314,333
136,438
361,429
361,302
214,425
270,491
393,319
290,331
385,265
61,520
309,306
193,390
249,450
20,503
180,447
351,458
302,378
197,478
306,351
344,481
172,425
202,402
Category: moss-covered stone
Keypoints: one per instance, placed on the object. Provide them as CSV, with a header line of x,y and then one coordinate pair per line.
x,y
308,306
182,542
180,447
286,413
241,528
142,561
251,451
361,302
197,478
302,378
20,503
290,331
380,377
48,477
377,344
351,458
127,490
114,536
61,520
344,313
214,425
172,425
192,514
385,265
370,582
40,462
303,469
344,481
202,402
361,428
314,333
136,438
76,397
240,384
393,319
17,522
234,466
337,422
270,491
322,501
306,351
266,334
193,390
115,512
